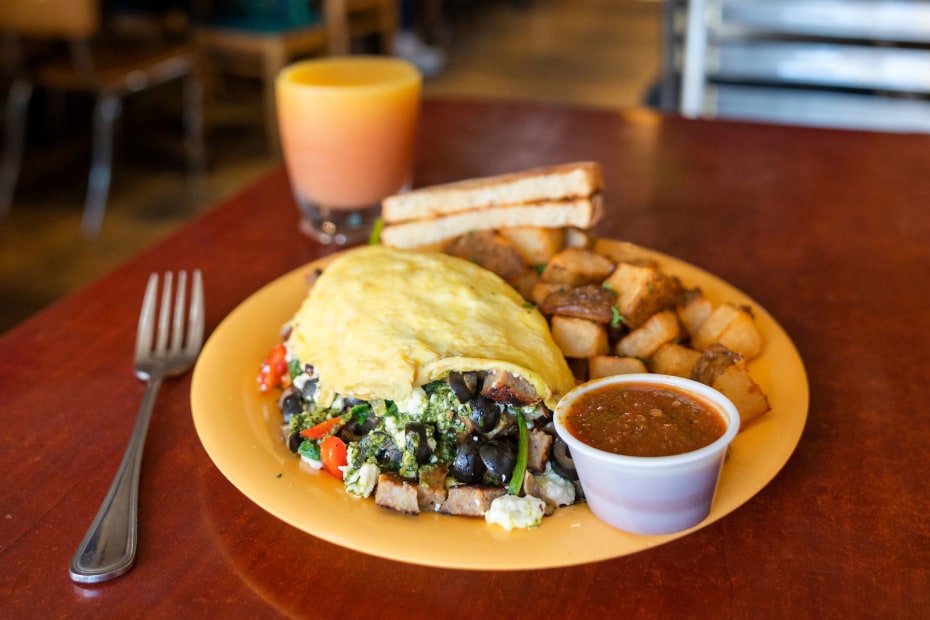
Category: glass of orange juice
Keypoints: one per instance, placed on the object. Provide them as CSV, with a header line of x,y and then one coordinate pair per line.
x,y
348,127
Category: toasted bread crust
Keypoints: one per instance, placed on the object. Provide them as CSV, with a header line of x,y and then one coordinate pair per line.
x,y
579,213
551,183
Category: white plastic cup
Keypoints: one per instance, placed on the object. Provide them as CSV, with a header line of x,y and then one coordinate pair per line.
x,y
650,495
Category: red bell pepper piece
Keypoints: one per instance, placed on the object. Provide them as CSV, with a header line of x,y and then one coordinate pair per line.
x,y
324,428
274,372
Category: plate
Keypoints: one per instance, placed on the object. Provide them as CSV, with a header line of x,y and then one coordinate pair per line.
x,y
240,430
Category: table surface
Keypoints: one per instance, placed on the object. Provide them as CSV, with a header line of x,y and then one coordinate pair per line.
x,y
828,230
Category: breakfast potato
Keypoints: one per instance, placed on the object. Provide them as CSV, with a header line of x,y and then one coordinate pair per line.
x,y
578,238
674,359
577,266
641,292
610,365
535,245
624,253
579,337
541,290
726,371
693,309
525,283
731,326
643,341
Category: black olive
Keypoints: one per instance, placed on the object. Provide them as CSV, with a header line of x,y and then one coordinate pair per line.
x,y
464,385
562,461
417,437
291,405
467,466
348,402
309,388
485,413
499,457
293,442
382,447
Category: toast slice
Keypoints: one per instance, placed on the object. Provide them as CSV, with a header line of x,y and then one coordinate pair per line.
x,y
570,181
579,213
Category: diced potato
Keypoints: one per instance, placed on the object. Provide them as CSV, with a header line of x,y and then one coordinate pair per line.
x,y
643,341
727,371
525,283
541,290
736,384
579,337
693,309
535,245
674,359
576,266
610,365
578,238
641,292
625,253
731,326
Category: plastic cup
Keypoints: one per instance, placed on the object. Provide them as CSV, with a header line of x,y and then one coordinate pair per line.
x,y
650,495
348,129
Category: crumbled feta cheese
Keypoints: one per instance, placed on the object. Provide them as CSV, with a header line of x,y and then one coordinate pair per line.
x,y
300,381
362,481
415,404
511,511
555,488
315,464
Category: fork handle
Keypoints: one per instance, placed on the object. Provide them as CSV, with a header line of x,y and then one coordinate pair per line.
x,y
109,547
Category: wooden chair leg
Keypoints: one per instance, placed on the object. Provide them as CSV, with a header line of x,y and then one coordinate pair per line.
x,y
194,145
106,112
15,114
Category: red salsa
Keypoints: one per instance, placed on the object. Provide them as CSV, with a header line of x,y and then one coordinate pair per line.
x,y
643,420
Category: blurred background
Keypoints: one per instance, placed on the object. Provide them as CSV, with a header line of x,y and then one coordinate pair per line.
x,y
122,119
590,52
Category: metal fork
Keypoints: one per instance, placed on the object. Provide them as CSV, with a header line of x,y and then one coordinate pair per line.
x,y
109,547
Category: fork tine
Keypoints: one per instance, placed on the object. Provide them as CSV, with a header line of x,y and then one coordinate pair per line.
x,y
147,318
195,319
180,303
161,343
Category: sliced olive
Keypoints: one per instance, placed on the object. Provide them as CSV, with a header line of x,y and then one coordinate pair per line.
x,y
309,388
380,446
293,442
485,413
464,385
467,466
291,404
562,461
499,457
417,437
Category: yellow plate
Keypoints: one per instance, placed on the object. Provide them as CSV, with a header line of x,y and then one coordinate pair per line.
x,y
240,430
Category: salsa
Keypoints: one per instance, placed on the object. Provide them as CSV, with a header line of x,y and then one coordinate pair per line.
x,y
643,420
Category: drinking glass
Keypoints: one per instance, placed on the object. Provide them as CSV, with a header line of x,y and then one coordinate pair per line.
x,y
348,127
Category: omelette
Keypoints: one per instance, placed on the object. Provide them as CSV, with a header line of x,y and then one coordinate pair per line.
x,y
379,322
429,382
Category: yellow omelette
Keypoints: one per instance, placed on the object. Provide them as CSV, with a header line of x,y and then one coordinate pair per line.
x,y
379,322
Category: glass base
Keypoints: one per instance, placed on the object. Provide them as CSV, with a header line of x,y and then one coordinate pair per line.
x,y
338,226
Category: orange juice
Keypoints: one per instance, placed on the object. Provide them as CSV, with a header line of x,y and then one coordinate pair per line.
x,y
348,127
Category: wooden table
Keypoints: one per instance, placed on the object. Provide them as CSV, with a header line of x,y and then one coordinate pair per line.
x,y
828,230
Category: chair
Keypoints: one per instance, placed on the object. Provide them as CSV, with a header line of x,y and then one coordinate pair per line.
x,y
99,64
861,64
254,47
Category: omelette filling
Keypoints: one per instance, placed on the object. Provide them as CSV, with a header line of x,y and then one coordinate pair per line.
x,y
428,382
445,440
